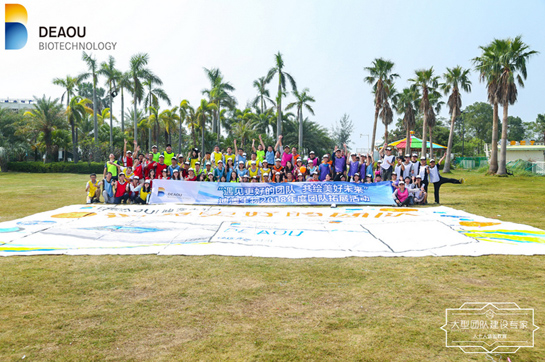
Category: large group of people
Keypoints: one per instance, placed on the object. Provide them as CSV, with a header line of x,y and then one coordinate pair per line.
x,y
129,179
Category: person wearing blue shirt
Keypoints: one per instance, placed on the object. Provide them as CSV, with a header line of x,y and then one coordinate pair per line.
x,y
173,166
241,170
108,192
219,171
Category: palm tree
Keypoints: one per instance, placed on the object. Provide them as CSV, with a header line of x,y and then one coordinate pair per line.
x,y
69,83
138,73
112,75
93,73
426,81
168,118
263,94
455,78
514,54
75,112
264,121
153,95
124,82
45,117
183,108
435,107
219,95
244,130
407,102
205,109
153,122
302,100
282,75
382,78
192,123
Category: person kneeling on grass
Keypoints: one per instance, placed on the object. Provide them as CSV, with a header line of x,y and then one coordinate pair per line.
x,y
134,188
401,195
143,195
93,189
108,192
121,187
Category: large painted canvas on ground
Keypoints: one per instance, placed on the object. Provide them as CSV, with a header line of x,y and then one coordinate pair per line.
x,y
288,232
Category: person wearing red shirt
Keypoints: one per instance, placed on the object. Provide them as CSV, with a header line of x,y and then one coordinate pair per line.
x,y
191,175
138,171
121,194
159,167
151,177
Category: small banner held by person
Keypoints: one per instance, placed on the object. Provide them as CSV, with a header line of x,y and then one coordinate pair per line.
x,y
293,193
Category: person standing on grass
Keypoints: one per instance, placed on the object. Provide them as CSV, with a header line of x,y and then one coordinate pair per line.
x,y
388,162
324,168
415,166
437,180
339,163
121,189
112,166
108,192
126,159
93,189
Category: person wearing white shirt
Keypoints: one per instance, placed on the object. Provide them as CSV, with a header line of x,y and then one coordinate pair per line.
x,y
388,162
437,179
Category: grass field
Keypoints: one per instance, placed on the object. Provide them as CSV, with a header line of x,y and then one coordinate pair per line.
x,y
151,308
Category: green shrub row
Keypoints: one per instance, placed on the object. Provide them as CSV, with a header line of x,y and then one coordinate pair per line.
x,y
57,167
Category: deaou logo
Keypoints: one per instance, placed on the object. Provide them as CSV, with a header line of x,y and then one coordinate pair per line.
x,y
16,33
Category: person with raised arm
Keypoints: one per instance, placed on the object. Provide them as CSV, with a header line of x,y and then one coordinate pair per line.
x,y
388,162
437,180
239,154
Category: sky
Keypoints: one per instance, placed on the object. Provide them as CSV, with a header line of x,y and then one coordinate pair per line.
x,y
325,47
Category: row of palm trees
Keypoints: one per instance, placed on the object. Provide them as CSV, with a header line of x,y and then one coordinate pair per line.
x,y
501,66
144,86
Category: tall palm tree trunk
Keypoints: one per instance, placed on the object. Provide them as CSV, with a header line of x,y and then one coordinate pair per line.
x,y
202,136
374,130
386,133
301,130
219,123
408,141
424,146
111,123
95,113
279,109
122,114
180,136
135,120
502,167
493,167
446,167
431,142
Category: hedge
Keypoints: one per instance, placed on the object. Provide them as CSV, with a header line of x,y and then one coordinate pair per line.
x,y
57,167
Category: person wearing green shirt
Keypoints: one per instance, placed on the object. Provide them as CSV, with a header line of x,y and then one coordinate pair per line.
x,y
260,152
112,166
155,153
168,153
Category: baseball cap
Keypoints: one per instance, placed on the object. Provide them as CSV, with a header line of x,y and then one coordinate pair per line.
x,y
388,148
423,157
353,154
401,182
357,173
300,174
180,155
369,175
220,161
197,163
299,160
246,176
326,155
278,173
265,161
191,169
311,153
241,162
210,173
154,146
314,172
147,181
161,156
173,158
266,175
407,155
252,162
414,155
175,170
208,163
310,161
187,163
394,173
379,161
418,176
129,151
277,160
254,177
432,160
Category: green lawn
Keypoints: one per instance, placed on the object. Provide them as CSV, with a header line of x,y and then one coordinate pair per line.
x,y
136,308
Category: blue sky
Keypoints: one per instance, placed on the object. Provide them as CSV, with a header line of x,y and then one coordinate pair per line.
x,y
325,44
